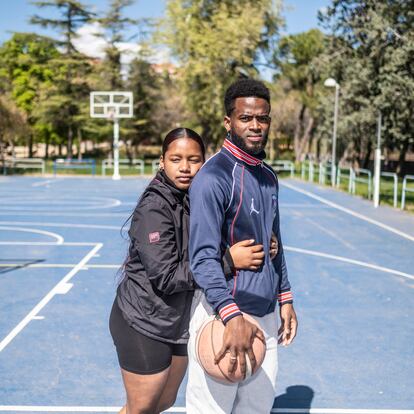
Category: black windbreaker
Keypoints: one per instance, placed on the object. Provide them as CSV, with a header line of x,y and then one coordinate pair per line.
x,y
156,292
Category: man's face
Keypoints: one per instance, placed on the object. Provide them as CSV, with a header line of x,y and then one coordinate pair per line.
x,y
249,124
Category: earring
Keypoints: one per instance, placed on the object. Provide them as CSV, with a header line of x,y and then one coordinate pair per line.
x,y
228,135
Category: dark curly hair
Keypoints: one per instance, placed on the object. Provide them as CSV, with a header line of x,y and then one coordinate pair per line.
x,y
243,88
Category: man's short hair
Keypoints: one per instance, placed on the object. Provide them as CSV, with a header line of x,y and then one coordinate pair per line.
x,y
244,88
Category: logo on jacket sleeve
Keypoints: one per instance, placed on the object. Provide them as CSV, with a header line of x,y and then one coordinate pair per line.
x,y
154,237
274,204
274,201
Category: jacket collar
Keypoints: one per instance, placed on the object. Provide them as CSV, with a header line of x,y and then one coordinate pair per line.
x,y
240,154
173,194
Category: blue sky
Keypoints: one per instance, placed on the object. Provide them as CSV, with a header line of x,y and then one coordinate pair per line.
x,y
14,14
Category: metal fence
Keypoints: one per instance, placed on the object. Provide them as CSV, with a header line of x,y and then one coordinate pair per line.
x,y
307,170
325,170
352,177
124,163
155,166
395,189
70,164
405,188
345,173
283,165
11,164
362,176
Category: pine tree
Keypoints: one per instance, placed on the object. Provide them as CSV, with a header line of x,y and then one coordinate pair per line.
x,y
114,25
70,88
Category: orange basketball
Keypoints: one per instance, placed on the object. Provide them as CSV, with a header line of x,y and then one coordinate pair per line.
x,y
209,341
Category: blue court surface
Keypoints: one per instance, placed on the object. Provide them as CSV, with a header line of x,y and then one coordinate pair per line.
x,y
351,268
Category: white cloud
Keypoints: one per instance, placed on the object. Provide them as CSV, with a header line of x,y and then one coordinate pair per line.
x,y
90,44
90,41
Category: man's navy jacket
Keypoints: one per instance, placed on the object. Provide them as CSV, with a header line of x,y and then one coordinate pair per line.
x,y
234,197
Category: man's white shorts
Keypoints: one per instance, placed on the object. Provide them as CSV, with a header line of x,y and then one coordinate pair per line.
x,y
207,396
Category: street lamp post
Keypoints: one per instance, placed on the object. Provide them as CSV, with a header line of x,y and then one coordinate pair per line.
x,y
332,83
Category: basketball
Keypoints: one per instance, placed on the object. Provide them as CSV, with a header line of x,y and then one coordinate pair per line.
x,y
209,341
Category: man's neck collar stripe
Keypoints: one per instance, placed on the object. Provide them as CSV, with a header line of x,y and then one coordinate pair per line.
x,y
240,154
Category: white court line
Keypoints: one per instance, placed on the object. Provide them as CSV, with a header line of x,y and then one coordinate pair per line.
x,y
81,226
59,239
339,411
348,211
59,287
22,243
41,183
287,248
352,261
61,214
86,409
60,265
302,205
30,202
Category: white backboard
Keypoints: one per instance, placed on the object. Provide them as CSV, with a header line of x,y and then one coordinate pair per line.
x,y
111,104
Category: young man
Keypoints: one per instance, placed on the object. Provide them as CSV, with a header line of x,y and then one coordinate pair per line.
x,y
235,197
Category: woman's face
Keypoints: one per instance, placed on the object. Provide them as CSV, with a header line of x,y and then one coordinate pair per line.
x,y
182,161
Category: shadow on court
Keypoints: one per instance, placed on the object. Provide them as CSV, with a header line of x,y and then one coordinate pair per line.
x,y
296,396
18,264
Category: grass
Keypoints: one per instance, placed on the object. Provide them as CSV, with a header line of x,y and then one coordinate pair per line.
x,y
386,191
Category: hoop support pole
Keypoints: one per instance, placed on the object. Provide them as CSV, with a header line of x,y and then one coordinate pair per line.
x,y
116,175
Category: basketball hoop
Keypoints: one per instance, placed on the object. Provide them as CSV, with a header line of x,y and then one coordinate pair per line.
x,y
112,105
111,114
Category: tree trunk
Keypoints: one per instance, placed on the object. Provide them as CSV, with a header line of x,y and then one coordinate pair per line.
x,y
30,145
298,130
80,144
70,142
129,151
367,155
306,136
47,147
401,158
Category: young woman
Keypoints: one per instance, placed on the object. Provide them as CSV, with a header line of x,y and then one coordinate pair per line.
x,y
150,315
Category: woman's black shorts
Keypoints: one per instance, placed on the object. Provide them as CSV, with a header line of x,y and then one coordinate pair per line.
x,y
138,353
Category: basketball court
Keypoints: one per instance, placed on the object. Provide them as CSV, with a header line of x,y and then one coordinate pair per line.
x,y
351,267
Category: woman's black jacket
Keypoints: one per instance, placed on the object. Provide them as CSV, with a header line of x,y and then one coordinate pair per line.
x,y
156,292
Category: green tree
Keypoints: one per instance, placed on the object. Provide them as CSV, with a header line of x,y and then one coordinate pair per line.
x,y
114,25
73,15
215,42
13,125
70,88
24,68
295,58
143,82
371,56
